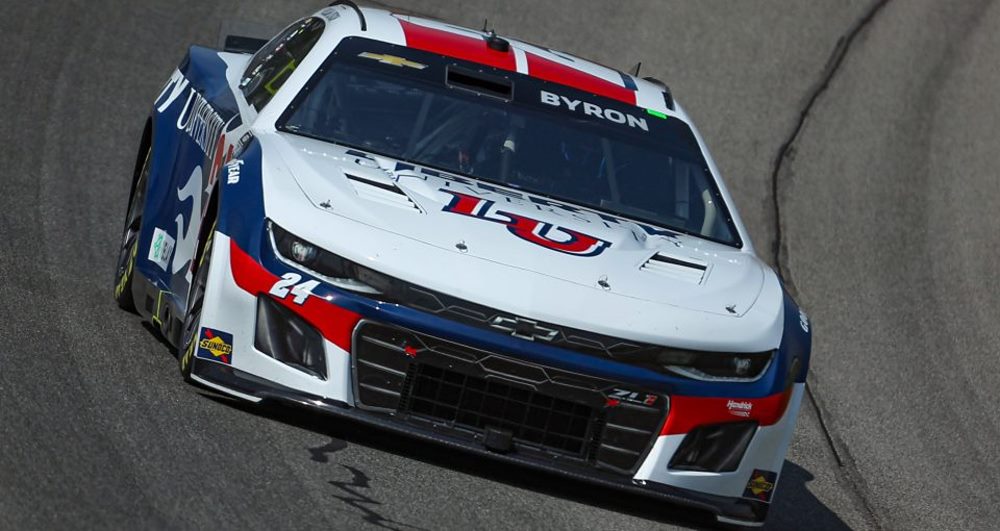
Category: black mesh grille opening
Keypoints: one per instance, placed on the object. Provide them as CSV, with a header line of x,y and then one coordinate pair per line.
x,y
470,393
628,430
478,404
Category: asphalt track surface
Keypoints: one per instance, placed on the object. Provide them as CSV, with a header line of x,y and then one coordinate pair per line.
x,y
859,140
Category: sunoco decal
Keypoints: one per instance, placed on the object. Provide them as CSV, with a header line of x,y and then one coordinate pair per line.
x,y
761,485
216,345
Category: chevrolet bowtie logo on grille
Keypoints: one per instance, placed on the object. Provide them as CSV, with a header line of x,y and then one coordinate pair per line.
x,y
523,328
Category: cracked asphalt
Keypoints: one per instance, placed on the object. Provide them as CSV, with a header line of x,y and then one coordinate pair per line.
x,y
858,137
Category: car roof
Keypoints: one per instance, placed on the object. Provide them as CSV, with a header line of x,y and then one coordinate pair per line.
x,y
536,61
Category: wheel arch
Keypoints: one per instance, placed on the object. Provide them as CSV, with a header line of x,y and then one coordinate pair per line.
x,y
207,225
145,145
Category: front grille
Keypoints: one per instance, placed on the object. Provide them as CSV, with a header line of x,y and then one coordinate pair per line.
x,y
476,403
468,393
480,316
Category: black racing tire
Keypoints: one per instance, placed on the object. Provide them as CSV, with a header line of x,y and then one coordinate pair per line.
x,y
129,250
192,317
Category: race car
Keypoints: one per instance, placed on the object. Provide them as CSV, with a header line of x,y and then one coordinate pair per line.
x,y
468,239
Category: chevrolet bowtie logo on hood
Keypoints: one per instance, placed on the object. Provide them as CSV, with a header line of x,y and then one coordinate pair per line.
x,y
523,328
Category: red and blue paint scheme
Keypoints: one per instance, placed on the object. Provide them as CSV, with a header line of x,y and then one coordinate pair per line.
x,y
557,290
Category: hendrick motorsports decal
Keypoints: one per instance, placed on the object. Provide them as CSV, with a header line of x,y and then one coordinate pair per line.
x,y
547,235
740,408
761,485
216,346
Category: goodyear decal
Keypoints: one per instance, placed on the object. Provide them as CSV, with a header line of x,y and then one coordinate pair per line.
x,y
216,345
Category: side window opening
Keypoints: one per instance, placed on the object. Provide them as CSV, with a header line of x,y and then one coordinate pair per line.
x,y
278,59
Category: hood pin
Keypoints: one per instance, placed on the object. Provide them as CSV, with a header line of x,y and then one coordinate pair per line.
x,y
462,247
603,282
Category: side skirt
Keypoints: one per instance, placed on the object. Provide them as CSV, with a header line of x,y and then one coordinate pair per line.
x,y
157,308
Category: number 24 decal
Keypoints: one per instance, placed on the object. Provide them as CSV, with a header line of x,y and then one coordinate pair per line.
x,y
292,283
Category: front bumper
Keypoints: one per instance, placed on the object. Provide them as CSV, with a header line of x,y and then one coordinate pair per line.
x,y
230,307
235,382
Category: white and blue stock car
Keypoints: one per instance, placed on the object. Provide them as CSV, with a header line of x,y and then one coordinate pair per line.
x,y
471,240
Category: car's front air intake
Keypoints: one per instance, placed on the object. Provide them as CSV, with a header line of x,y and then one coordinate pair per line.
x,y
473,403
478,395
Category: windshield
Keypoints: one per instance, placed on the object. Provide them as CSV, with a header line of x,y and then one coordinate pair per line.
x,y
513,130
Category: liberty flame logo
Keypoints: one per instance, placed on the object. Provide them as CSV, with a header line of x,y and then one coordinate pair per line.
x,y
547,235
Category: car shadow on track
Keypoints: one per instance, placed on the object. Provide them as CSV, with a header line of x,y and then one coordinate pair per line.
x,y
794,508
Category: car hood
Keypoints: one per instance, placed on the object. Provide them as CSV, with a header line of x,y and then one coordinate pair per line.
x,y
532,233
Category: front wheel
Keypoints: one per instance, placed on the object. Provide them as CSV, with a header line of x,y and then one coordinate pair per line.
x,y
129,250
192,319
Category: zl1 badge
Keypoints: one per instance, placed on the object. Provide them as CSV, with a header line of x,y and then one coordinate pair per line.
x,y
761,485
216,346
